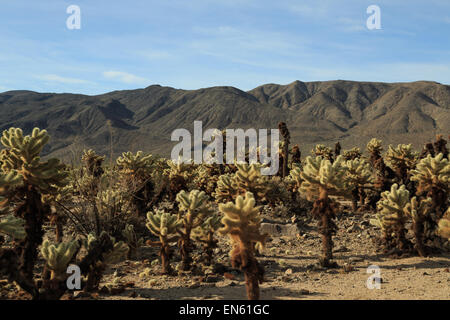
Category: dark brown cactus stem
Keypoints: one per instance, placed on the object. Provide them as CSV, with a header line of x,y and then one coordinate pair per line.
x,y
185,246
324,210
165,254
418,235
33,211
337,149
208,248
286,138
243,258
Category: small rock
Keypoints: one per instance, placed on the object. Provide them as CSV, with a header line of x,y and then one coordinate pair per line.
x,y
278,230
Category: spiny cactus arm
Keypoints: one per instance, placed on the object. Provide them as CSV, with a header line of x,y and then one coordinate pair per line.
x,y
58,256
195,206
320,174
242,217
13,227
432,171
418,209
25,148
163,223
374,145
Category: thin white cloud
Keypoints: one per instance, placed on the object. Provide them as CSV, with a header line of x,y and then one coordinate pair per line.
x,y
56,78
124,77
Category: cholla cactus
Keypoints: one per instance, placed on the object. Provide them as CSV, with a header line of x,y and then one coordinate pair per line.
x,y
419,210
93,162
249,179
296,178
39,178
277,191
136,171
135,165
374,147
392,217
194,208
358,176
58,257
13,227
322,179
433,176
178,174
322,150
284,148
226,189
206,177
242,223
23,156
165,226
133,241
444,225
114,252
402,158
354,153
205,234
8,181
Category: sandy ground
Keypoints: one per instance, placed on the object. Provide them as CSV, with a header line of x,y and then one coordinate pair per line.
x,y
291,271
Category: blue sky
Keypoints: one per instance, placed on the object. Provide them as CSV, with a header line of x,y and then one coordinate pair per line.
x,y
192,44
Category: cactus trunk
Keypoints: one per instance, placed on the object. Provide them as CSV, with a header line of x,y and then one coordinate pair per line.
x,y
418,234
243,258
324,211
165,258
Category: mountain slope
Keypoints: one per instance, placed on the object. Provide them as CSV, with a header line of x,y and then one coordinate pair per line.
x,y
316,112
